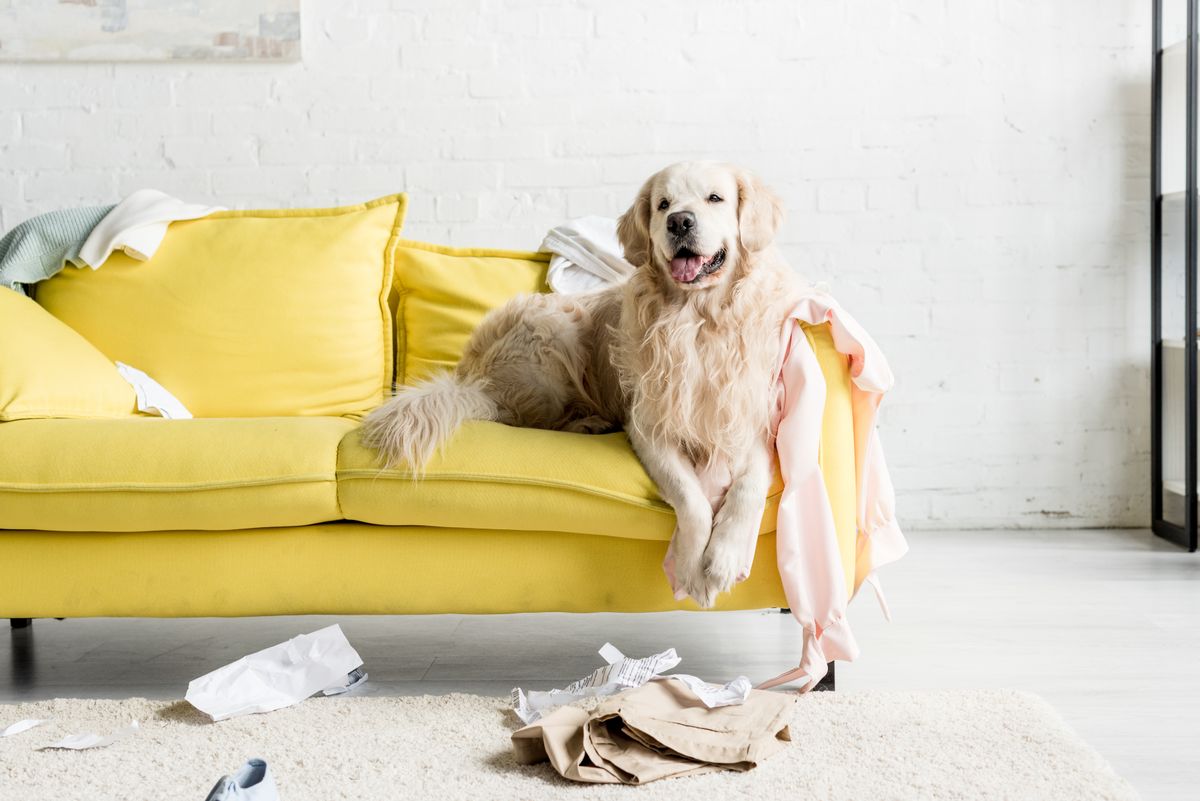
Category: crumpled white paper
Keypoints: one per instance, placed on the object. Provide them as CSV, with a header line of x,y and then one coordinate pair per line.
x,y
279,676
623,673
714,695
78,742
20,726
152,397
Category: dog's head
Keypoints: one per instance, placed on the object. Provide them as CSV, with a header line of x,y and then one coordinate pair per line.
x,y
695,220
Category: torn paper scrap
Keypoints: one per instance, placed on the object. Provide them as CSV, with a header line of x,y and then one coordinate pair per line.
x,y
347,682
623,673
20,726
152,397
276,677
714,695
620,673
78,742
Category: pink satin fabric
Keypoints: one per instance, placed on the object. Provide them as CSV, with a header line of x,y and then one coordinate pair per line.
x,y
809,561
810,565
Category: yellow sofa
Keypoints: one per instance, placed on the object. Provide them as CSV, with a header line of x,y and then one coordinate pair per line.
x,y
279,330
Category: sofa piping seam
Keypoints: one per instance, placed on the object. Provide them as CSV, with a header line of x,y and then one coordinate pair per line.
x,y
180,487
483,478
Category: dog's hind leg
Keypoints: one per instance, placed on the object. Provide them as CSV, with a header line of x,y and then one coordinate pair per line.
x,y
593,424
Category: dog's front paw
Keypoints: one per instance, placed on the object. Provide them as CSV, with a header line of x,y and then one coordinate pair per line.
x,y
689,574
722,567
707,577
702,590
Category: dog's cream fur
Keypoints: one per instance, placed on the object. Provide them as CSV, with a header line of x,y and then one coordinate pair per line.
x,y
686,367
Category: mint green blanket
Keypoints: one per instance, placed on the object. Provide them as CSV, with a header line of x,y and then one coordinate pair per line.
x,y
41,246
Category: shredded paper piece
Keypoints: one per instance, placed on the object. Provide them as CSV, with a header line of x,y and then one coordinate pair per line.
x,y
79,742
152,397
623,673
278,676
715,695
20,726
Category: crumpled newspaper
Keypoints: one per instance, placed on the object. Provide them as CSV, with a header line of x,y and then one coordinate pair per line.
x,y
623,673
279,676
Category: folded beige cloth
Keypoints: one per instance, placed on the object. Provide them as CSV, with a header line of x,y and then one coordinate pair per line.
x,y
656,731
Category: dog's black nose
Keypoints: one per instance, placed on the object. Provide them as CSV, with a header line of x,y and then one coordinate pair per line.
x,y
680,222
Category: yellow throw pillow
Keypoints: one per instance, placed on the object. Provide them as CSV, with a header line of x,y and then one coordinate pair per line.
x,y
48,370
250,313
442,293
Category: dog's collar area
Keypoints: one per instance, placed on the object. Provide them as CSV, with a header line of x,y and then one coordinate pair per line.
x,y
688,267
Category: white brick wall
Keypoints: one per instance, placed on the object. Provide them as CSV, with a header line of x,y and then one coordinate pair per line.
x,y
969,176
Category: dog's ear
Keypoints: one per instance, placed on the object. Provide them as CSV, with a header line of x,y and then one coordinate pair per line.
x,y
633,227
760,211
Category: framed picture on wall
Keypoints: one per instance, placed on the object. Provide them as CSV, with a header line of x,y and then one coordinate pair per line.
x,y
150,30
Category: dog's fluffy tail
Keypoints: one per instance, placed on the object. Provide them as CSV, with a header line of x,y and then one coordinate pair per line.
x,y
418,420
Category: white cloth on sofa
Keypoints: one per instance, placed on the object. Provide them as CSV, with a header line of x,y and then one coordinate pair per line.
x,y
585,255
137,226
40,247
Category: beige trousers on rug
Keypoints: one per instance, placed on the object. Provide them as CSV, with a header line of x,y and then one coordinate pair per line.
x,y
656,731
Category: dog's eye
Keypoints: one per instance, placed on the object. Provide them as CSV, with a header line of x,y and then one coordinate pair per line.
x,y
663,205
714,198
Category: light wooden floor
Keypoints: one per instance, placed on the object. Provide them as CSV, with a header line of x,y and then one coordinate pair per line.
x,y
1104,624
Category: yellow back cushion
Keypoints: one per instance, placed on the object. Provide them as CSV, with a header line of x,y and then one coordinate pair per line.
x,y
442,293
250,313
48,370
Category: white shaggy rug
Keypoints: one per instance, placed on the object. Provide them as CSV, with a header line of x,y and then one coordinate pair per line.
x,y
874,745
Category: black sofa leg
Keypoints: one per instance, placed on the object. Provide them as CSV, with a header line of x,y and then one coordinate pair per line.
x,y
20,622
827,684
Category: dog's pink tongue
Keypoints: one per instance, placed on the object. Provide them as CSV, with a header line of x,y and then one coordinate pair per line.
x,y
686,269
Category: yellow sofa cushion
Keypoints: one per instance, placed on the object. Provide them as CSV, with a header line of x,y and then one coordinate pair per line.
x,y
441,294
250,313
151,474
523,479
48,370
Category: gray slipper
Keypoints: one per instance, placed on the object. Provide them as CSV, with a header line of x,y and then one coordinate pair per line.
x,y
252,782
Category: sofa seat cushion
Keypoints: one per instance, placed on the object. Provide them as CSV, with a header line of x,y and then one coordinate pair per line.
x,y
151,474
495,476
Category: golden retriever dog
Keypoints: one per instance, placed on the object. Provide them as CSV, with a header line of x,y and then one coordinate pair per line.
x,y
682,356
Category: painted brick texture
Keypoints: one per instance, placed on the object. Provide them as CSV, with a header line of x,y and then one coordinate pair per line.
x,y
969,177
